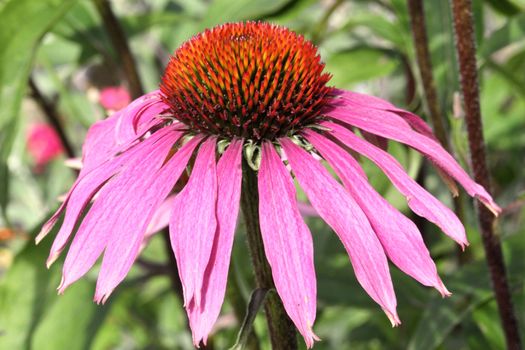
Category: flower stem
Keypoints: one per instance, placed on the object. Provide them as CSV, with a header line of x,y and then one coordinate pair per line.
x,y
466,52
119,41
281,329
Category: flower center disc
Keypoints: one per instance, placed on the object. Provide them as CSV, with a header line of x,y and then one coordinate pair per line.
x,y
252,80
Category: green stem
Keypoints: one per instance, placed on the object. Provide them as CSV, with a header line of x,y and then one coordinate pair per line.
x,y
281,329
466,53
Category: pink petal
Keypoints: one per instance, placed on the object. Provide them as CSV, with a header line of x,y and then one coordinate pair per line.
x,y
117,212
363,100
105,139
412,119
229,177
399,236
132,212
392,126
193,223
99,144
89,183
368,101
419,200
344,215
287,243
109,136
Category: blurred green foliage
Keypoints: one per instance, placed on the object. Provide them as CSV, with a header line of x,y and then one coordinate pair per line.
x,y
367,46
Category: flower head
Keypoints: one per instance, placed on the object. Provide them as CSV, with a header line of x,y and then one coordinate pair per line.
x,y
260,88
251,80
43,144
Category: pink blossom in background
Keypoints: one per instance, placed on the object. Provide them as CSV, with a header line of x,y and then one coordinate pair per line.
x,y
43,144
114,98
240,93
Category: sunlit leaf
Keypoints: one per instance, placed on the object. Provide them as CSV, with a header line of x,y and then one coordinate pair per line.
x,y
18,46
359,64
32,315
221,11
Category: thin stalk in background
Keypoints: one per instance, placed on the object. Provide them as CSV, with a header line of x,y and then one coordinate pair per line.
x,y
322,26
466,54
52,117
120,43
280,327
424,63
417,20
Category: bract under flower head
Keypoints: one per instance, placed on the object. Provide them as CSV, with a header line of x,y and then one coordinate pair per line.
x,y
252,80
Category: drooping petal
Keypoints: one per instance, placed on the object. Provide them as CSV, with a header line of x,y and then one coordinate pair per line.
x,y
229,177
193,223
368,101
413,120
287,243
399,236
392,126
118,210
344,215
149,188
90,182
419,199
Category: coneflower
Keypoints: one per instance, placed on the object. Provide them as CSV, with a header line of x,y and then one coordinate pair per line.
x,y
258,91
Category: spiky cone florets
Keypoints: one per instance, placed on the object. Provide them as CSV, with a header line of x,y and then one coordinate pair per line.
x,y
252,80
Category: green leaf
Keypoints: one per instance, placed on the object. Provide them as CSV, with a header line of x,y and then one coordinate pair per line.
x,y
471,290
358,64
488,322
505,7
221,11
33,316
512,31
19,38
379,25
71,322
23,297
